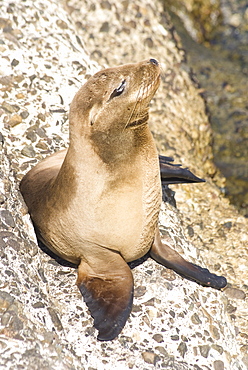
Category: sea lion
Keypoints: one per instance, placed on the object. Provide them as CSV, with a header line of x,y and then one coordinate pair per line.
x,y
96,204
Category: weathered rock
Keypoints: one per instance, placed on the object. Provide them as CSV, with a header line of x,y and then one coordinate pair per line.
x,y
47,325
7,218
15,120
235,293
149,357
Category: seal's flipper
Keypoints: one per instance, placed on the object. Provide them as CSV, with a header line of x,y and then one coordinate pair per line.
x,y
174,173
108,293
170,258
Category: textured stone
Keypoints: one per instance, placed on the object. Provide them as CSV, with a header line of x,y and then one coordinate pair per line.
x,y
158,338
57,330
5,300
28,151
219,365
235,293
24,114
55,319
7,218
15,120
195,319
149,357
204,350
10,108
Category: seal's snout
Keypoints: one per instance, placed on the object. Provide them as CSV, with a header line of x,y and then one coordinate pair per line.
x,y
154,61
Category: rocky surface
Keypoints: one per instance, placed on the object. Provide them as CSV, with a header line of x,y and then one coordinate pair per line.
x,y
48,49
225,87
214,33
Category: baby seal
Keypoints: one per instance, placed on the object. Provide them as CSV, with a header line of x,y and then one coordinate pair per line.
x,y
97,203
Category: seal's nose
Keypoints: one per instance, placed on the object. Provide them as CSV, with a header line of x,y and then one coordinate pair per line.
x,y
154,61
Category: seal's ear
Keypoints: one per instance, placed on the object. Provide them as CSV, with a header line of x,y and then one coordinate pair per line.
x,y
108,294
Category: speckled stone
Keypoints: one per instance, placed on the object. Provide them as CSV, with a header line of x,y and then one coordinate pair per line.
x,y
55,319
28,151
219,365
14,120
182,348
5,300
158,338
204,350
149,357
195,319
24,114
57,329
7,218
235,293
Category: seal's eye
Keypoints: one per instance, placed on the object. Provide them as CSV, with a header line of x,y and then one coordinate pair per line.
x,y
119,90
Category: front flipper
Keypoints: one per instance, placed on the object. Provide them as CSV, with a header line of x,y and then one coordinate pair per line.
x,y
175,174
170,258
107,287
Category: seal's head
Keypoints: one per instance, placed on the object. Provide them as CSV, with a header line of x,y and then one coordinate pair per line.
x,y
111,110
116,98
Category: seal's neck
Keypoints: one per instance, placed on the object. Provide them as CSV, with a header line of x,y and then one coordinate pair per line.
x,y
113,150
117,146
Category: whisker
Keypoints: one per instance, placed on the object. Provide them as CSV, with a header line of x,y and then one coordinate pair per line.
x,y
139,110
167,77
135,105
163,74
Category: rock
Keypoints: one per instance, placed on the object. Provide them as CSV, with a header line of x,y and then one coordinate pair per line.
x,y
219,365
104,27
204,350
182,349
28,151
235,20
7,218
175,337
195,319
235,293
2,198
15,120
42,117
63,25
24,114
172,317
139,291
15,62
55,319
149,357
5,300
10,108
41,145
158,338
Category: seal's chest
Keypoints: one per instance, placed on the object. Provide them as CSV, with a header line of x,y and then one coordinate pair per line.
x,y
125,219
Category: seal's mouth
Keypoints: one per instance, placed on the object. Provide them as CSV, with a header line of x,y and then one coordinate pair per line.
x,y
148,86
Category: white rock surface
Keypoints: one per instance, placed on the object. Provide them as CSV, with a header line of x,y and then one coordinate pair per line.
x,y
175,324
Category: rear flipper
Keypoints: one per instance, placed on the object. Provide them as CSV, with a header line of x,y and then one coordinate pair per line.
x,y
171,259
107,288
175,174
